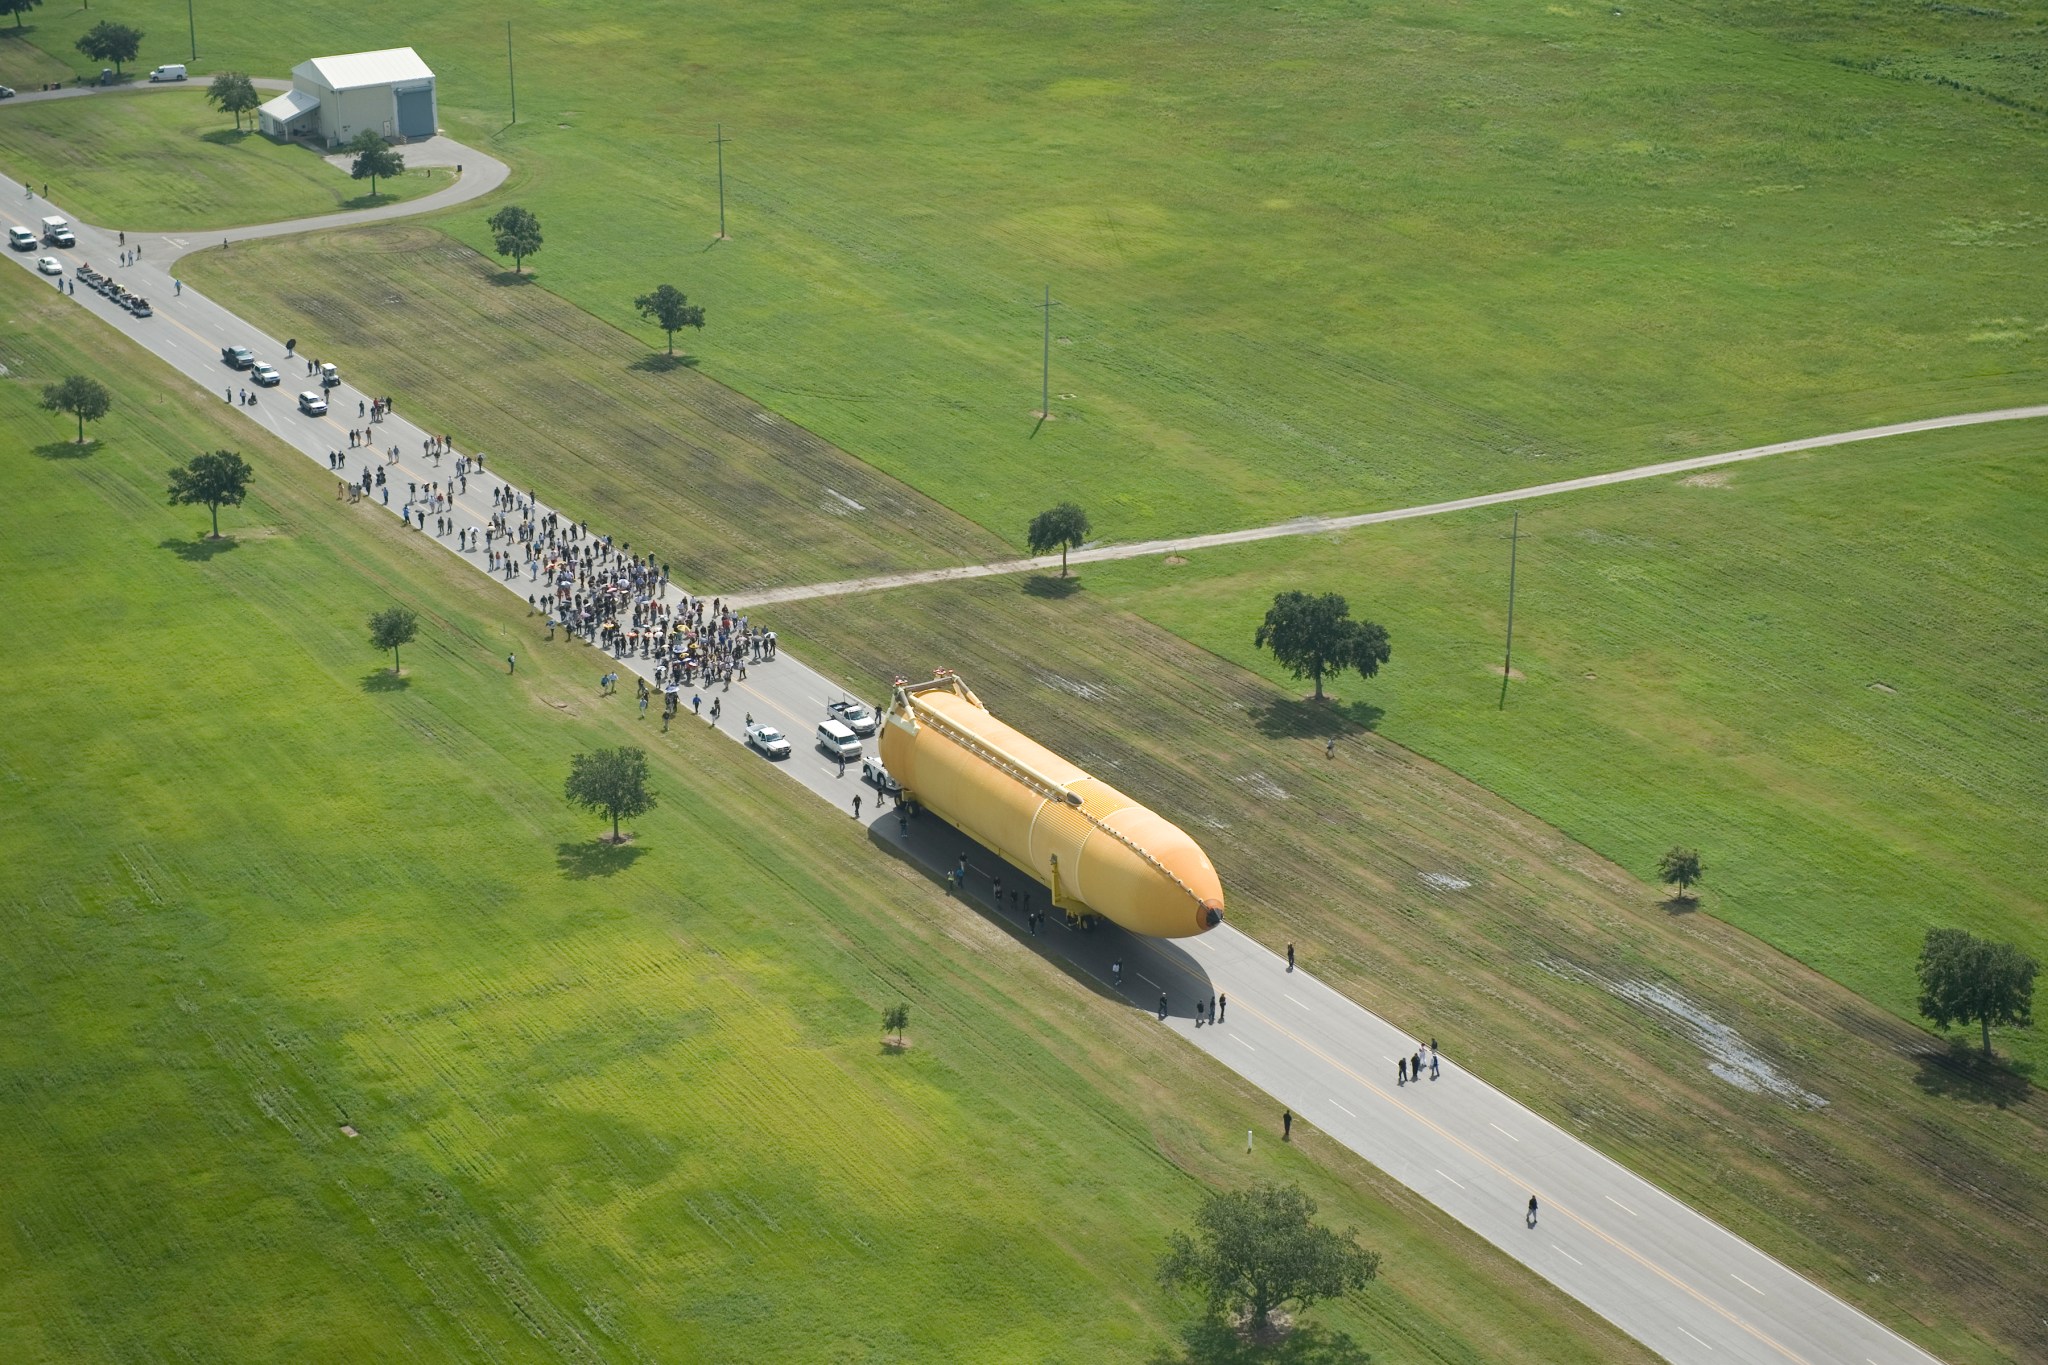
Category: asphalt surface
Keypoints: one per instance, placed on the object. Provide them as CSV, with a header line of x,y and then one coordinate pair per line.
x,y
1315,526
1662,1273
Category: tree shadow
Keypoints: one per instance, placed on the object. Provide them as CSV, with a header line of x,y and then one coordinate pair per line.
x,y
1050,588
504,278
384,680
1209,1342
369,201
661,362
67,450
201,550
1962,1072
1680,904
1291,718
589,858
227,137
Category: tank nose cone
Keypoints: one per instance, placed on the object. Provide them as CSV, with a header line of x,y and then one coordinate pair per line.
x,y
1212,914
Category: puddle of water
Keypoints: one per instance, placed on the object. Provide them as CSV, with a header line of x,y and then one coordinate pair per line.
x,y
1085,691
1263,785
1728,1056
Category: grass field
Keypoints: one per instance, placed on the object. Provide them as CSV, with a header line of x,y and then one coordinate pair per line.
x,y
1309,259
729,492
1825,670
166,159
624,1107
1796,1113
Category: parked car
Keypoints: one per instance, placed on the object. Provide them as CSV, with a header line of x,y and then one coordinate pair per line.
x,y
237,357
329,376
6,92
21,239
872,771
769,740
49,265
265,376
839,742
852,715
313,403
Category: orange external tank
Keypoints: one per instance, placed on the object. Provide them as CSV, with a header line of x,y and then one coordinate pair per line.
x,y
1098,851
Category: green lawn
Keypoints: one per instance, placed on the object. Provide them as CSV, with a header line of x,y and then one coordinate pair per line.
x,y
1312,258
1826,671
627,1107
166,159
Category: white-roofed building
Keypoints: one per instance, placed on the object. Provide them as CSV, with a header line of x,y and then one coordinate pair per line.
x,y
333,99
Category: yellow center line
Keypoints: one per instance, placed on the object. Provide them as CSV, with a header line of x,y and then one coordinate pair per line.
x,y
1495,1166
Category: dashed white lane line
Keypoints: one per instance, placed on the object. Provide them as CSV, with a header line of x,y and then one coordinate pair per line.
x,y
1695,1338
1566,1254
1146,979
1241,1042
1503,1132
1295,1001
1623,1207
1342,1107
1460,1184
1744,1283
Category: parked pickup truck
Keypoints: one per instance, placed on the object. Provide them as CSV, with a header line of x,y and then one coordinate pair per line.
x,y
237,357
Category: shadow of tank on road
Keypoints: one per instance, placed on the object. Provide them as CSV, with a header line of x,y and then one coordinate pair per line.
x,y
1150,965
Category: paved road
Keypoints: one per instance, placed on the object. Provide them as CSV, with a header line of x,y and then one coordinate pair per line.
x,y
1663,1274
1314,526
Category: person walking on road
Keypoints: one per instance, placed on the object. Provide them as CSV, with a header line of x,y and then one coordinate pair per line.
x,y
1162,1007
1401,1071
856,807
1532,1211
1287,1125
1415,1066
1116,973
1290,957
1222,1007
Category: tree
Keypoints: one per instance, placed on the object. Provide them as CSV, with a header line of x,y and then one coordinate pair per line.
x,y
1965,979
1681,867
17,8
612,782
218,480
1058,528
516,233
231,93
1312,636
86,399
671,310
895,1019
1255,1251
374,157
111,42
392,627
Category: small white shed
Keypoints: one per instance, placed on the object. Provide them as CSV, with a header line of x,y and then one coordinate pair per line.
x,y
333,99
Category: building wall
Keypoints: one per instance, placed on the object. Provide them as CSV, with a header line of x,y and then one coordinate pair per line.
x,y
346,113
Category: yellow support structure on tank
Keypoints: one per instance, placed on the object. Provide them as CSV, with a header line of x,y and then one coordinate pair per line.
x,y
1098,851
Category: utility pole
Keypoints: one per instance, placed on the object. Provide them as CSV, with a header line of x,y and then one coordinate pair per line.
x,y
192,29
721,139
1507,660
1045,375
511,79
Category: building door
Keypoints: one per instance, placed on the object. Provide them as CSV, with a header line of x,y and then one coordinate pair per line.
x,y
416,113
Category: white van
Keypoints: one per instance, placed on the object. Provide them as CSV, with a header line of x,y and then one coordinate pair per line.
x,y
21,239
839,742
174,72
57,232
